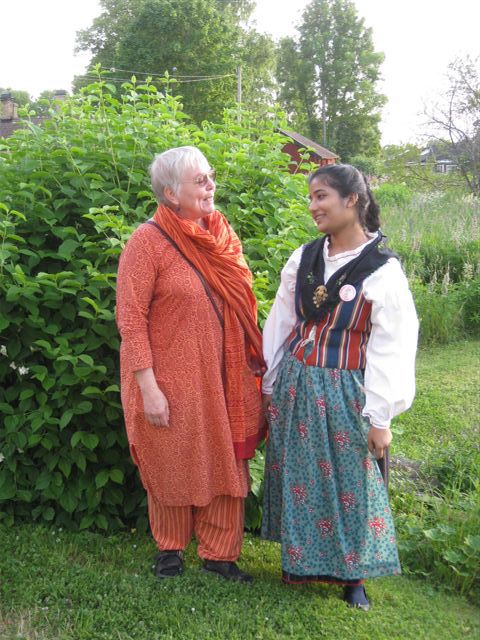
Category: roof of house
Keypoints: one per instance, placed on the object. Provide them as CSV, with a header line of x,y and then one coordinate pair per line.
x,y
305,142
437,153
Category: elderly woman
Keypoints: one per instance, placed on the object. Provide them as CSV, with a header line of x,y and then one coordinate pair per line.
x,y
190,355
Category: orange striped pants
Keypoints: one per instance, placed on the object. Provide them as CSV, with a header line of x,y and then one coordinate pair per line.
x,y
218,527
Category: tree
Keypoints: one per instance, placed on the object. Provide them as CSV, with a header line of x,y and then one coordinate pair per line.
x,y
399,160
456,120
158,36
242,9
103,36
371,166
257,58
327,77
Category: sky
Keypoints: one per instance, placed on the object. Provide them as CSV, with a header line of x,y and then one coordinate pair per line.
x,y
418,37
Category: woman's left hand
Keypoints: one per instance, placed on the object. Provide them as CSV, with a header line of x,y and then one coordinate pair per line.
x,y
378,441
266,403
258,368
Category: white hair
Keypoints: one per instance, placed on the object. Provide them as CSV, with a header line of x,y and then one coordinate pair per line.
x,y
168,168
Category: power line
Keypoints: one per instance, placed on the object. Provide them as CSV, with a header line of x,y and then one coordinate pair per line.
x,y
191,79
117,79
146,73
227,75
114,79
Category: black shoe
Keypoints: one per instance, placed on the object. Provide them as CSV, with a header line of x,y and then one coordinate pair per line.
x,y
168,564
356,597
227,570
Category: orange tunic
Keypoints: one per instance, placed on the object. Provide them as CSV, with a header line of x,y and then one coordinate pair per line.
x,y
167,322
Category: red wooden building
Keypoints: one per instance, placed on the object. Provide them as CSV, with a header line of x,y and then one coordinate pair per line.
x,y
300,148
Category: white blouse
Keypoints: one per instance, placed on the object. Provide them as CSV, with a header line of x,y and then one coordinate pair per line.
x,y
389,384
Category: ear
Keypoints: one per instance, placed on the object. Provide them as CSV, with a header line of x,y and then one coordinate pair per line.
x,y
170,195
352,200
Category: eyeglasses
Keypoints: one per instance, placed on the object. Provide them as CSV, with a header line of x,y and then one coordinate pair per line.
x,y
202,179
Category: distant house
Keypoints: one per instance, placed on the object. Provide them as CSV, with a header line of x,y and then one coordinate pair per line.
x,y
9,120
298,145
439,158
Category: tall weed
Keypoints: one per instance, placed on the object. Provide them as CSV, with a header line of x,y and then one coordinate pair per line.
x,y
438,515
435,233
439,535
440,311
436,236
469,296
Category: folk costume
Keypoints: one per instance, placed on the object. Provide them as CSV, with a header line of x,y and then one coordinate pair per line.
x,y
340,345
185,307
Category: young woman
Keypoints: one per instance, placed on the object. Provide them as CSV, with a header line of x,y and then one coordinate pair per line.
x,y
340,345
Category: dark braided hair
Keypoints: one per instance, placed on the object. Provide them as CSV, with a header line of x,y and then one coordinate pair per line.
x,y
346,180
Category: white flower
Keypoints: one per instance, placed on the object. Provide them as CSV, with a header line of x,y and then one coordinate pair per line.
x,y
2,457
23,370
13,365
3,350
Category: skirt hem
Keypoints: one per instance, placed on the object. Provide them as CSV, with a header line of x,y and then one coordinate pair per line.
x,y
291,578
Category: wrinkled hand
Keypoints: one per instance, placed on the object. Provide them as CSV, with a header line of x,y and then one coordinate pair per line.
x,y
155,406
378,441
266,403
258,368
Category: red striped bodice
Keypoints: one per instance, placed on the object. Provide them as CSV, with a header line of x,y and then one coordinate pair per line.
x,y
339,340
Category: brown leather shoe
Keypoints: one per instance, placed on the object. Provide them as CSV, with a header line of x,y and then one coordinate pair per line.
x,y
227,570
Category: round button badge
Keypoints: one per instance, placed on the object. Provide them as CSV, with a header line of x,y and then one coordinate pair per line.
x,y
347,292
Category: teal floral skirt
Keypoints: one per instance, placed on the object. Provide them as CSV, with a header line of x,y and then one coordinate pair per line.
x,y
325,501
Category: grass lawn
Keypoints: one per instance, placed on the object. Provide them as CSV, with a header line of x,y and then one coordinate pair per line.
x,y
446,410
56,585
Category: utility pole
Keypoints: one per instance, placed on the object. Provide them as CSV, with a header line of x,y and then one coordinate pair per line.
x,y
239,92
324,118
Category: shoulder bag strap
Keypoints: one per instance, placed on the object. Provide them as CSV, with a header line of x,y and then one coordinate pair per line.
x,y
206,286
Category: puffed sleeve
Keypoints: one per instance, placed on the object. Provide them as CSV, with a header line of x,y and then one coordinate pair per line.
x,y
135,287
391,349
280,320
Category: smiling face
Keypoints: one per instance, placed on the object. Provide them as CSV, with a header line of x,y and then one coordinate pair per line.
x,y
194,198
331,212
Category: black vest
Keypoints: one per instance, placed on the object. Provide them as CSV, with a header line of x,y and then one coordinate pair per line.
x,y
313,298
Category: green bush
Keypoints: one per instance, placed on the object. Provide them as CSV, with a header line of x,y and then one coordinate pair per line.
x,y
441,541
370,166
71,192
440,312
438,533
388,194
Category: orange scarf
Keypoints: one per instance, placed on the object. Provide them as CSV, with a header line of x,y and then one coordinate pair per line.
x,y
217,254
